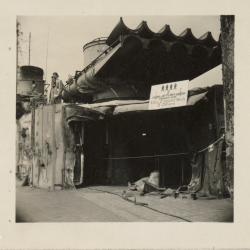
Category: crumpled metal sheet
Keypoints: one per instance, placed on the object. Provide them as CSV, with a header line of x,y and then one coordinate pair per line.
x,y
207,172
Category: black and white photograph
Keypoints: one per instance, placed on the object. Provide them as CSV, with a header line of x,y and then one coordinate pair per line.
x,y
124,125
125,118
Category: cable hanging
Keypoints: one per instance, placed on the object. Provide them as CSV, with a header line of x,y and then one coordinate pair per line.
x,y
210,146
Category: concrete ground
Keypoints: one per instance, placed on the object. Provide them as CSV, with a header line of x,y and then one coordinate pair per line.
x,y
97,204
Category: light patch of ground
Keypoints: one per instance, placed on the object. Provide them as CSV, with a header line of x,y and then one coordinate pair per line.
x,y
89,205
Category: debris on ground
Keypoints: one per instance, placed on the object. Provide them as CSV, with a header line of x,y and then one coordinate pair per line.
x,y
146,185
150,186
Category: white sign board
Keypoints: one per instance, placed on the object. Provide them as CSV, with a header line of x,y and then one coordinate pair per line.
x,y
168,95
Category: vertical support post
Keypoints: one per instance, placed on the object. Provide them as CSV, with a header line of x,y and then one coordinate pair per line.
x,y
215,108
158,168
182,171
82,152
33,106
64,143
29,46
109,127
54,151
227,46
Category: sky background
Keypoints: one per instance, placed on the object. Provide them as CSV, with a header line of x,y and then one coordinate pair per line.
x,y
66,35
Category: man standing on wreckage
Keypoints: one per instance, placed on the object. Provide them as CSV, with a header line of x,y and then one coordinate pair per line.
x,y
56,89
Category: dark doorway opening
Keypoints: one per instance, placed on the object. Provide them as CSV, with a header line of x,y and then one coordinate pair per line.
x,y
144,142
95,167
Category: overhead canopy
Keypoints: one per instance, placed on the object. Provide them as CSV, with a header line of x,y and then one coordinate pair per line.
x,y
124,106
192,100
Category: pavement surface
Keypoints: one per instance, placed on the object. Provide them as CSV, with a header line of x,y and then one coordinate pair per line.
x,y
105,204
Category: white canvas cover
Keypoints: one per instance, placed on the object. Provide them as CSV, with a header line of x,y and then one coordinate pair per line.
x,y
208,79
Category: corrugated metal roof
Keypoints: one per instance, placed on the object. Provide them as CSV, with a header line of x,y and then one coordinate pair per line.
x,y
165,33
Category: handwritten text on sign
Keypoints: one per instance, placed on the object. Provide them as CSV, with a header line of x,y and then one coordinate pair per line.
x,y
168,95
